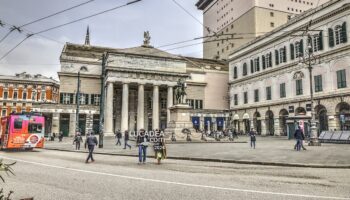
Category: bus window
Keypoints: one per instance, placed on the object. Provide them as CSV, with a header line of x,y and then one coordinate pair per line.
x,y
35,128
18,123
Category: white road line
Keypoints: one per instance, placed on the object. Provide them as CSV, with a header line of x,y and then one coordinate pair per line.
x,y
177,183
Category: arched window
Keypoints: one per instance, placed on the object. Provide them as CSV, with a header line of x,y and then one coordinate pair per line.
x,y
235,72
245,70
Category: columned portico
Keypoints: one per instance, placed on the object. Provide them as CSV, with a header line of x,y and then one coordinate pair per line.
x,y
125,108
155,107
109,112
141,107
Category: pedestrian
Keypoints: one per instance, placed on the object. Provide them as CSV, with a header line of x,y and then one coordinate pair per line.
x,y
60,136
159,147
302,143
77,140
126,139
299,137
142,142
91,142
53,136
118,136
252,135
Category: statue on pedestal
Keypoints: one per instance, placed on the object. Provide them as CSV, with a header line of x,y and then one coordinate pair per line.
x,y
180,92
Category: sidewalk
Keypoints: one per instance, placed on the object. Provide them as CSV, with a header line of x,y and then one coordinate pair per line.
x,y
269,151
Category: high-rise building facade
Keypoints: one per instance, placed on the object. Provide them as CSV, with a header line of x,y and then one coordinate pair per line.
x,y
244,20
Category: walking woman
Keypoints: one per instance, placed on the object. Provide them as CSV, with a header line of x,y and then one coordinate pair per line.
x,y
252,135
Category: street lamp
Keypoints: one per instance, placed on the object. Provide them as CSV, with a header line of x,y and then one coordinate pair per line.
x,y
82,69
310,59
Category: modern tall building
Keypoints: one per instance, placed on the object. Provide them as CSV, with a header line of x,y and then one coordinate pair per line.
x,y
244,20
270,80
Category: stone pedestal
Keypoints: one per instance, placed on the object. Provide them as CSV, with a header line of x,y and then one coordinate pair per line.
x,y
180,119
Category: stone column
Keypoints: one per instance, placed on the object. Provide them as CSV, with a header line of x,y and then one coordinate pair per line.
x,y
125,108
108,111
141,107
277,127
169,101
89,123
55,123
155,106
72,124
263,127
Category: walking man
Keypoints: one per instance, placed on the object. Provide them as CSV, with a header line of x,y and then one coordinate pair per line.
x,y
91,142
118,136
252,135
299,137
77,140
142,143
126,139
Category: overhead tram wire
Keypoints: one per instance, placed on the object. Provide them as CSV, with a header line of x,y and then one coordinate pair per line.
x,y
19,28
74,21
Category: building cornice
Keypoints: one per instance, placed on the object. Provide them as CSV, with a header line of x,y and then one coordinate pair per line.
x,y
76,75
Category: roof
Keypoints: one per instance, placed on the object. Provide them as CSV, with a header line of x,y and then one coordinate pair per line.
x,y
29,78
97,51
202,4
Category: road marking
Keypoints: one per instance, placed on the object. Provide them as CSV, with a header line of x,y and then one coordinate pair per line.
x,y
177,183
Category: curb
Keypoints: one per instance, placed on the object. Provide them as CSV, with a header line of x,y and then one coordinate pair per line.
x,y
247,162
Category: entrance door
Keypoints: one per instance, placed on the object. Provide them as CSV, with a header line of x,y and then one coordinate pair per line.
x,y
64,124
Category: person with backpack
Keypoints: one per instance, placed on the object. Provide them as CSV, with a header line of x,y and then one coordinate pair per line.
x,y
252,135
77,140
91,142
118,136
126,139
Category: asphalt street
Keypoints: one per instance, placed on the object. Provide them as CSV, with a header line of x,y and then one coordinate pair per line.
x,y
44,174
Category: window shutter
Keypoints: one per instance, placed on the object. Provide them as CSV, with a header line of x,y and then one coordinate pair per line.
x,y
320,41
251,66
292,51
86,99
309,41
61,98
331,37
258,64
344,33
285,54
71,98
276,57
244,69
263,62
270,60
301,46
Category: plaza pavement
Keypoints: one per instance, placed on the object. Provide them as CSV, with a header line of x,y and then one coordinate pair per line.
x,y
269,151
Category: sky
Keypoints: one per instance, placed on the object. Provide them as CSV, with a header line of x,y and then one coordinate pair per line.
x,y
121,28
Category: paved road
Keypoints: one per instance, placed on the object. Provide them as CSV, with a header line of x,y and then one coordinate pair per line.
x,y
48,175
268,149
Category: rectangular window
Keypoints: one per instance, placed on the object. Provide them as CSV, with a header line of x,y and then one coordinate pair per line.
x,y
268,93
3,112
245,97
84,99
299,87
318,83
282,90
24,95
6,94
341,79
66,98
235,99
15,95
256,95
95,99
35,128
163,103
18,123
199,104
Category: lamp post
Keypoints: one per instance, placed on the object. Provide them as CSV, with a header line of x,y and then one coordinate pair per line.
x,y
82,69
310,59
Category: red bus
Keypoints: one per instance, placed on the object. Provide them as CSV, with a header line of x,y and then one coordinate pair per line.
x,y
22,131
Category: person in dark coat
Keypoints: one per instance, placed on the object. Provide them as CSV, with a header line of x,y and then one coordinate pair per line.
x,y
118,136
126,139
77,140
91,142
252,135
60,136
299,137
142,141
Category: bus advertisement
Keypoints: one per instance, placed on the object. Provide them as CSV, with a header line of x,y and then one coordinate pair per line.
x,y
22,131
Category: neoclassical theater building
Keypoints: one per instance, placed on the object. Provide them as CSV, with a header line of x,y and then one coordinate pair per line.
x,y
139,87
269,77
